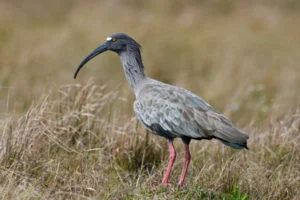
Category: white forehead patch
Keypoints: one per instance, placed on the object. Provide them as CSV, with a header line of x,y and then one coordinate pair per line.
x,y
108,39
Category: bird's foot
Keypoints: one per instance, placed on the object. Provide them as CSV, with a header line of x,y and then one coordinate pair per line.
x,y
161,185
180,184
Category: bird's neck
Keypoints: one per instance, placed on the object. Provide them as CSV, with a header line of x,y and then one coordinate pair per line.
x,y
133,68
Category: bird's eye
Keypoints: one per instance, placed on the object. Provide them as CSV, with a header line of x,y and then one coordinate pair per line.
x,y
114,39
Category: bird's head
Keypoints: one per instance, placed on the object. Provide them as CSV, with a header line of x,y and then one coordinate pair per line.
x,y
117,42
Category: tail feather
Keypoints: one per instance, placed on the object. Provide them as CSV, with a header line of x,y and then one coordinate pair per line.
x,y
232,137
234,145
218,126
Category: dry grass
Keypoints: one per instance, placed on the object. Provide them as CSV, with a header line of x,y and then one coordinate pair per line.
x,y
75,145
62,139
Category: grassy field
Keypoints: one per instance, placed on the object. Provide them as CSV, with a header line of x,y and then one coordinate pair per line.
x,y
62,138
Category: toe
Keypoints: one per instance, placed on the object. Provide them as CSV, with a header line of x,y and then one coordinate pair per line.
x,y
161,185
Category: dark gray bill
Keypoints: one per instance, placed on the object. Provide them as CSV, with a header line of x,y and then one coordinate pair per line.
x,y
96,52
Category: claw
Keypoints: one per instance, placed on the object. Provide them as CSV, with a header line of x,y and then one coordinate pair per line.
x,y
161,185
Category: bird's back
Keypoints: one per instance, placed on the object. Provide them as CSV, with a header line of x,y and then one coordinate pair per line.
x,y
172,112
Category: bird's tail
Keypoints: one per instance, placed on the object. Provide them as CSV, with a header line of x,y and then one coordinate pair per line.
x,y
221,128
234,145
233,138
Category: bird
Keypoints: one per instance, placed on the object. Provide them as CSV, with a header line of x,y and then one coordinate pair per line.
x,y
166,110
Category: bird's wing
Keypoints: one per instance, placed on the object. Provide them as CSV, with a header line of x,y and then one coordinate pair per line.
x,y
182,113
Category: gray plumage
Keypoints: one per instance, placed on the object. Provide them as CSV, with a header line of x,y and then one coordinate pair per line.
x,y
173,112
167,110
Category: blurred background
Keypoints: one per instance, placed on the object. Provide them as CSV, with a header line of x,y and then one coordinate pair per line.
x,y
243,57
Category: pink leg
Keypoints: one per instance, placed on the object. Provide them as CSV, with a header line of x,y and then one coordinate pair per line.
x,y
172,157
187,159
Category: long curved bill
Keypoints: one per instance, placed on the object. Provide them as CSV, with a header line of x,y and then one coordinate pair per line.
x,y
102,48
